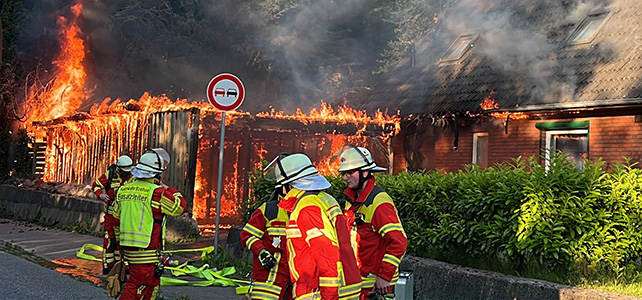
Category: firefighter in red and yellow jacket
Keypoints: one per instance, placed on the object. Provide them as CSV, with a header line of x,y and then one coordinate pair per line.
x,y
321,258
141,207
264,235
382,240
106,188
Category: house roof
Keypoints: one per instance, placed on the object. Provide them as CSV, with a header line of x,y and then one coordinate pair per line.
x,y
522,60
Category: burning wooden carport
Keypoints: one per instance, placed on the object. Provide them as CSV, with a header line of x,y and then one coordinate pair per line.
x,y
249,139
80,148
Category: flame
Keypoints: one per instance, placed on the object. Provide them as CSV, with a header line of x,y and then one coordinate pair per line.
x,y
65,93
512,116
489,103
330,165
343,115
80,145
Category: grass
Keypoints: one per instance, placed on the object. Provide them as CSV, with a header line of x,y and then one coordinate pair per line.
x,y
224,259
82,228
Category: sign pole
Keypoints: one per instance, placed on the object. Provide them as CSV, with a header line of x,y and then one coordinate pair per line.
x,y
225,92
219,190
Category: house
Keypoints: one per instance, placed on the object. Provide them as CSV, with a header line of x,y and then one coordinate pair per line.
x,y
500,79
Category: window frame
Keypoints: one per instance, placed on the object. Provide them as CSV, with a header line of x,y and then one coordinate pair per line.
x,y
476,136
548,141
582,25
469,39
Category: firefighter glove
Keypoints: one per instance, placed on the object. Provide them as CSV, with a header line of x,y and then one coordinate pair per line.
x,y
114,280
266,259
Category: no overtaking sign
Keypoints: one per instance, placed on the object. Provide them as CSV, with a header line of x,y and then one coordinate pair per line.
x,y
225,92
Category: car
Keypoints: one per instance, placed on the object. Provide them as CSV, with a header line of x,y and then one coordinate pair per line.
x,y
232,92
219,92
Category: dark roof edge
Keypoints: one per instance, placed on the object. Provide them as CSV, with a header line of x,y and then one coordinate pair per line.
x,y
575,105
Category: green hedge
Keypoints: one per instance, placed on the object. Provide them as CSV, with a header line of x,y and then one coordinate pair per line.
x,y
582,221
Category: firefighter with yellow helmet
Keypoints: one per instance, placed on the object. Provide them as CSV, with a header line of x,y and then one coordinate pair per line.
x,y
141,207
106,187
382,240
320,255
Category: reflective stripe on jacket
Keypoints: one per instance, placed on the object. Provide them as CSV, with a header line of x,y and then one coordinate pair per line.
x,y
266,230
382,240
136,217
321,261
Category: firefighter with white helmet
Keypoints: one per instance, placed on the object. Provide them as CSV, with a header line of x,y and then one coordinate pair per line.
x,y
106,187
141,207
321,258
382,240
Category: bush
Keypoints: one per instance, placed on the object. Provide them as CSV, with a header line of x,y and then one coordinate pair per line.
x,y
582,223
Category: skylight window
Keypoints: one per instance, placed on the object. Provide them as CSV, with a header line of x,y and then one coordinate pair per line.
x,y
459,47
586,31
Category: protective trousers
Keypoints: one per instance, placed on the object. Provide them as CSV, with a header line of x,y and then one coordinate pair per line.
x,y
111,247
142,284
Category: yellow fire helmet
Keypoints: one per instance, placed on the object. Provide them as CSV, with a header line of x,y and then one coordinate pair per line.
x,y
357,158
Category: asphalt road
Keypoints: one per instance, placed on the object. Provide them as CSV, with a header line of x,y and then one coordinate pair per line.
x,y
22,279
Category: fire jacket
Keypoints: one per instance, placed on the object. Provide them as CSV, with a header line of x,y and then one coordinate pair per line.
x,y
266,230
321,259
116,182
382,240
141,242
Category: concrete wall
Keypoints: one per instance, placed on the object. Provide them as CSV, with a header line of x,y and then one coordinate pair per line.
x,y
51,209
439,280
61,210
436,280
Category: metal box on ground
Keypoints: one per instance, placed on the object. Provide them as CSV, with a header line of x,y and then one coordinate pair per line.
x,y
404,286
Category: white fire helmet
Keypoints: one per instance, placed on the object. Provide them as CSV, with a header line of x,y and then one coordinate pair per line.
x,y
293,167
151,162
357,158
297,170
124,163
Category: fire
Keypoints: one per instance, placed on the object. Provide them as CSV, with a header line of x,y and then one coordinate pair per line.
x,y
80,145
489,103
329,165
343,115
65,93
512,116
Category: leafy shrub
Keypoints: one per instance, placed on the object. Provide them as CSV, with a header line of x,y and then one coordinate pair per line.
x,y
584,222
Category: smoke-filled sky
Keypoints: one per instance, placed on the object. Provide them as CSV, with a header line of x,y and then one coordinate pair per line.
x,y
288,53
292,53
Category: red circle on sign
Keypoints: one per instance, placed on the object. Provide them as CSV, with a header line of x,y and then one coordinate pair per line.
x,y
237,82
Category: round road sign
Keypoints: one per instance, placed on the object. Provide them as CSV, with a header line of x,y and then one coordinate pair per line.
x,y
225,92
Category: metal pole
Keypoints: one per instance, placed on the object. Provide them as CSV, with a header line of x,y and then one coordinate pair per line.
x,y
219,190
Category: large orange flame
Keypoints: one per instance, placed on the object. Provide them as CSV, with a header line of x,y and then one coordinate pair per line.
x,y
81,145
65,93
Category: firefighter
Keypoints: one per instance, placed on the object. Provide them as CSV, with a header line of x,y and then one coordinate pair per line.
x,y
382,240
106,188
321,258
141,207
264,235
